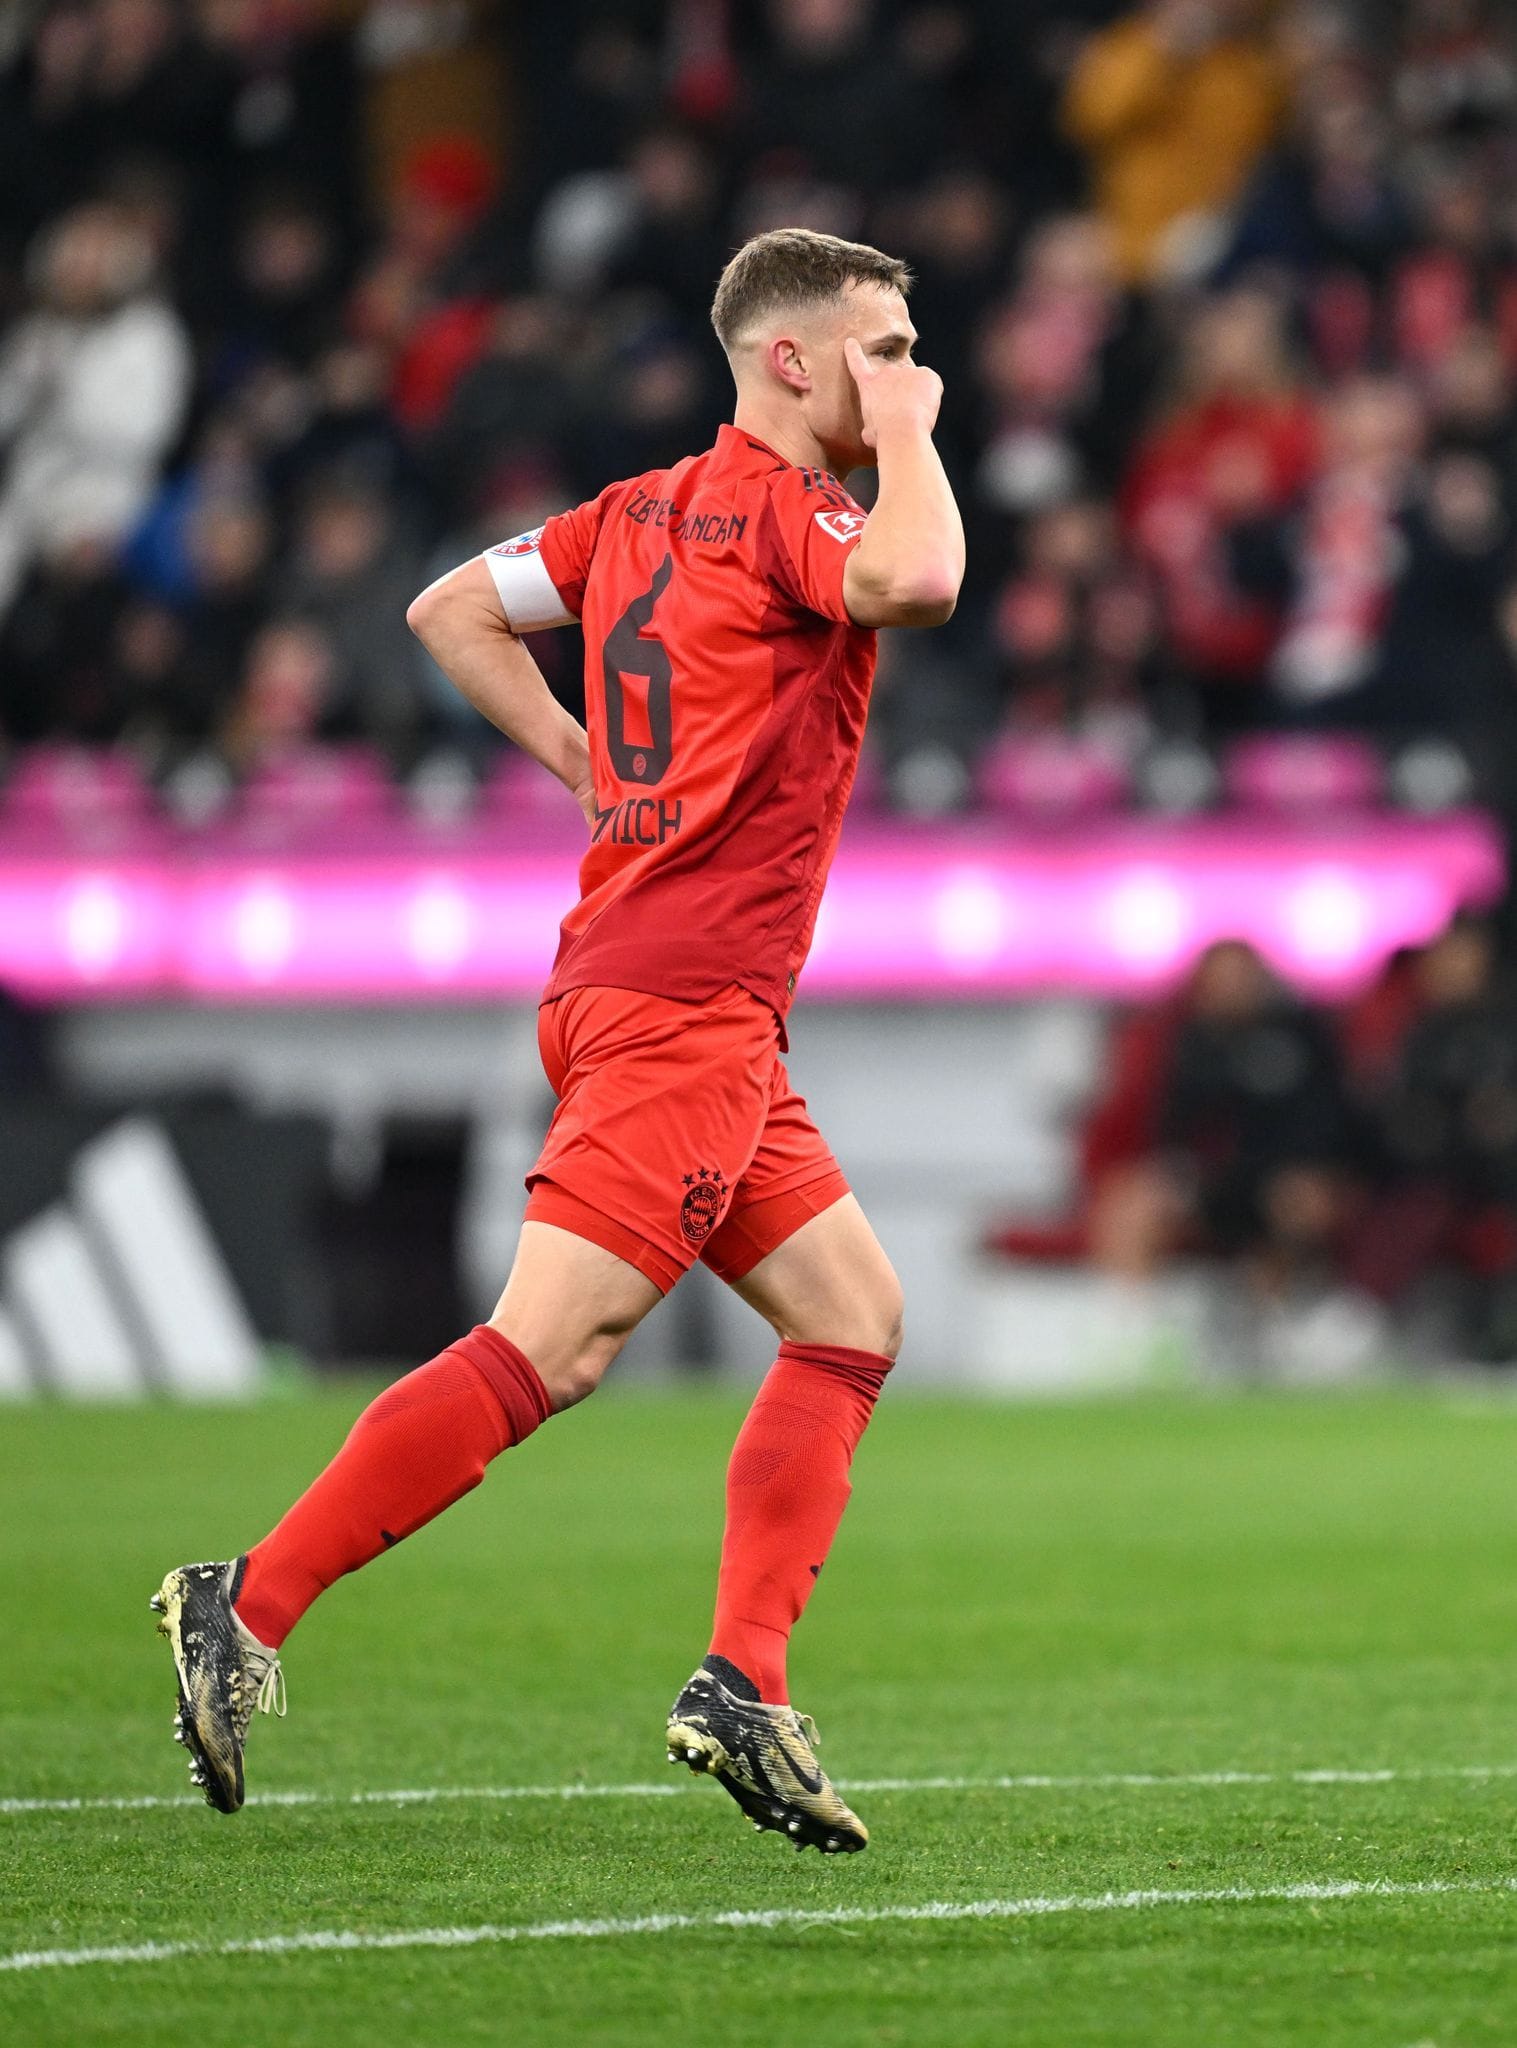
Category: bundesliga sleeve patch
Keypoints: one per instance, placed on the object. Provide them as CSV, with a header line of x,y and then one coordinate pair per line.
x,y
843,525
528,595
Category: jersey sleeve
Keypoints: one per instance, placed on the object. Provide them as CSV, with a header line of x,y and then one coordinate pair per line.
x,y
540,576
819,528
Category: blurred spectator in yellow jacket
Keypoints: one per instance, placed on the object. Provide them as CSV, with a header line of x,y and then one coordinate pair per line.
x,y
1173,106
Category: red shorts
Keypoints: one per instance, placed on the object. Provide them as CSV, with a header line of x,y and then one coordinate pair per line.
x,y
677,1135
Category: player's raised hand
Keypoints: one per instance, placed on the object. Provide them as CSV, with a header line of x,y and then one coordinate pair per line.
x,y
893,394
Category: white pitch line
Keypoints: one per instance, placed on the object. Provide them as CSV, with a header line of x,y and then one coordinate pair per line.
x,y
428,1795
347,1941
405,1795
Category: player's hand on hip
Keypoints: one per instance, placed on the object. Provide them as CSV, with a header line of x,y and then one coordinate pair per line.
x,y
893,395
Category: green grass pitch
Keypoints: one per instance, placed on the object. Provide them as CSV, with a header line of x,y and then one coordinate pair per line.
x,y
1154,1589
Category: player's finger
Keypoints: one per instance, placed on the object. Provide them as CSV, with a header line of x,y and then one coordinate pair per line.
x,y
857,361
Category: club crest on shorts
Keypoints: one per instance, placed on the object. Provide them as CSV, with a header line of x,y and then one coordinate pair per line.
x,y
705,1192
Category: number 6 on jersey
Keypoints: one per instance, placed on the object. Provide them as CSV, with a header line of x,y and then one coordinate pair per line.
x,y
627,654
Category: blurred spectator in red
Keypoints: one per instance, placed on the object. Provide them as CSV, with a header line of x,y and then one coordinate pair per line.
x,y
1173,106
1237,449
1463,269
410,300
93,387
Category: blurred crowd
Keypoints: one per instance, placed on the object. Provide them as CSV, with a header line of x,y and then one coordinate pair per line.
x,y
303,300
1355,1170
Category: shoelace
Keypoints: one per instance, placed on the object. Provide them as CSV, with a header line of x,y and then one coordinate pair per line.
x,y
261,1686
270,1697
808,1728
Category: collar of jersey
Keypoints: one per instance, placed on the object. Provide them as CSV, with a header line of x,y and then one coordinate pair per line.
x,y
739,446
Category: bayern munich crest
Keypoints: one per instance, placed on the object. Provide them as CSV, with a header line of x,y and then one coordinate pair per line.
x,y
705,1192
524,544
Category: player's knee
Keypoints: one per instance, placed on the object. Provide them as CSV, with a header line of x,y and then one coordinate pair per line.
x,y
572,1379
860,1316
872,1320
572,1372
571,1384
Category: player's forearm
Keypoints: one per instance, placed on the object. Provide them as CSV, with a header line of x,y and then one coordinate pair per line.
x,y
463,631
909,563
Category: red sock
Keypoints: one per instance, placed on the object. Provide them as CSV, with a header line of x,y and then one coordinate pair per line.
x,y
787,1486
415,1450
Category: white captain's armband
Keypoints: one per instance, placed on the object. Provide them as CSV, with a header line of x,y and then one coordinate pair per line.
x,y
528,595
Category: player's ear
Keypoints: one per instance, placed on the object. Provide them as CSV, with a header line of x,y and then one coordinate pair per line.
x,y
787,359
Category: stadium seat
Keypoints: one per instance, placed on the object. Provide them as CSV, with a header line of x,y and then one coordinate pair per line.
x,y
522,796
1304,772
315,789
1052,775
86,798
60,784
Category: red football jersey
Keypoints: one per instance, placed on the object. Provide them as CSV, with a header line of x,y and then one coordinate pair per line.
x,y
726,691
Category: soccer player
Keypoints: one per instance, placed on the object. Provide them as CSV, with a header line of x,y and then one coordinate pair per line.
x,y
729,608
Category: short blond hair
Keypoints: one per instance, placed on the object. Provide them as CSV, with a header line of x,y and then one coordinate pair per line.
x,y
795,268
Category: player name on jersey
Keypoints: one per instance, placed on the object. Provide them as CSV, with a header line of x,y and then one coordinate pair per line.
x,y
639,821
711,527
